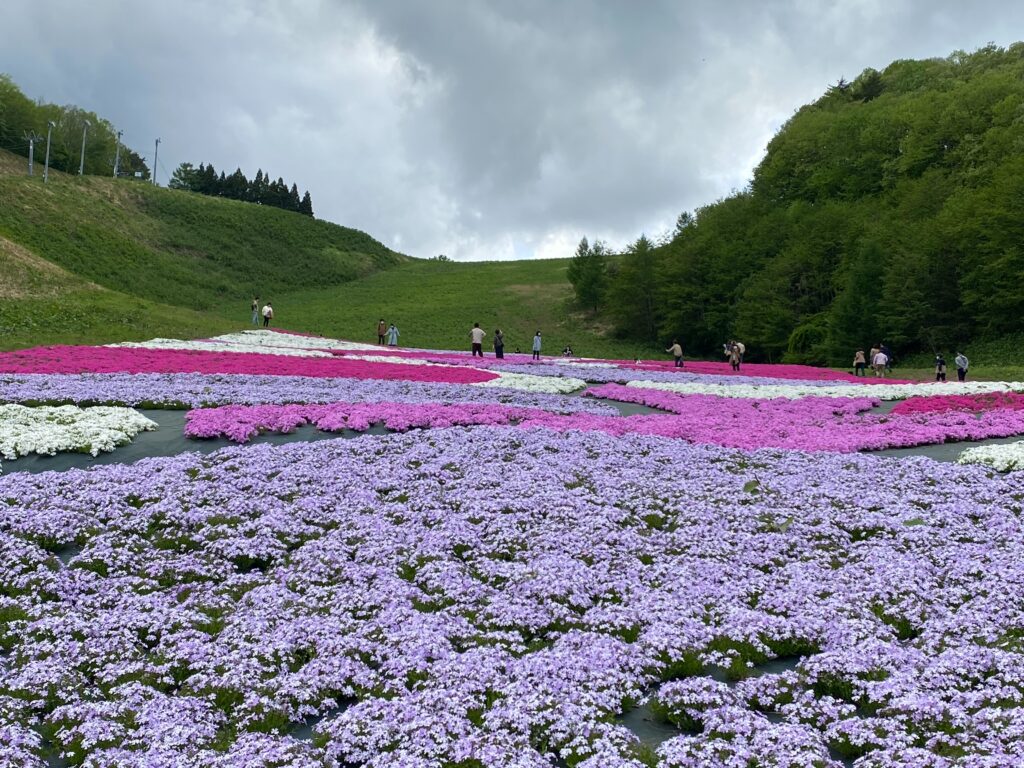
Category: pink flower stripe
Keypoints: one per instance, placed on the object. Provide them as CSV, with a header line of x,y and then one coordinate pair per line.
x,y
241,423
811,424
976,403
63,359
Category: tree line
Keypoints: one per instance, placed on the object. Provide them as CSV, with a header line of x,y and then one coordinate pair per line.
x,y
888,210
260,190
20,117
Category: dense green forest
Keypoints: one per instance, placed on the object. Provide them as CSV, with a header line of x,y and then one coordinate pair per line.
x,y
20,118
260,190
890,209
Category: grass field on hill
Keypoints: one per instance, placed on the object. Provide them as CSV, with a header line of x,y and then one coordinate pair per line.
x,y
434,304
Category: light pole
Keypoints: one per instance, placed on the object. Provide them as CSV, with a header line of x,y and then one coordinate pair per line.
x,y
46,168
32,138
81,165
156,154
117,154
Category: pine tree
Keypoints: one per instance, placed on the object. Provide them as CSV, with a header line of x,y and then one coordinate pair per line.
x,y
293,198
306,206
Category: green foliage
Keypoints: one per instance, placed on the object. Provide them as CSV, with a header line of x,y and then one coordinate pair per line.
x,y
20,116
888,210
588,273
632,293
237,186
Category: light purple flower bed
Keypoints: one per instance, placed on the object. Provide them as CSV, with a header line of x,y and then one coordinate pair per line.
x,y
193,390
494,597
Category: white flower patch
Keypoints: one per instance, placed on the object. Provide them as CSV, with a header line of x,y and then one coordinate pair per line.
x,y
1000,457
554,385
394,359
221,346
796,391
50,429
291,341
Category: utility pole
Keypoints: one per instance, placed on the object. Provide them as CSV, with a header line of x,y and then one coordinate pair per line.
x,y
46,168
156,154
81,165
32,138
117,154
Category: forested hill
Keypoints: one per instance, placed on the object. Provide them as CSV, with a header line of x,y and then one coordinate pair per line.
x,y
890,209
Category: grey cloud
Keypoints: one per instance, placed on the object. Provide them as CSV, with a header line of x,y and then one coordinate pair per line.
x,y
477,128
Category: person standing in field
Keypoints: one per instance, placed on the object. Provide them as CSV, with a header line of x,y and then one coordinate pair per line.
x,y
499,344
741,347
884,349
677,352
871,355
476,335
878,362
268,314
735,357
393,335
961,362
382,330
940,368
255,311
536,346
859,363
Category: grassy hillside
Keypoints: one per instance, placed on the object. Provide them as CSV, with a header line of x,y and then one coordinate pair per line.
x,y
434,304
94,259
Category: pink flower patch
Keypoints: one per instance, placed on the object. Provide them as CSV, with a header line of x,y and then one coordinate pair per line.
x,y
63,359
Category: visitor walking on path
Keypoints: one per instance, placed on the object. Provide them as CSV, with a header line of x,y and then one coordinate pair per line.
x,y
677,353
735,357
961,362
393,335
859,363
268,314
255,311
879,362
940,368
536,346
382,330
884,349
871,355
477,336
499,344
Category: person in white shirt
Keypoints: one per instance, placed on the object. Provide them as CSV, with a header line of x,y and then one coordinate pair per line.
x,y
878,362
961,363
536,346
677,353
268,314
477,335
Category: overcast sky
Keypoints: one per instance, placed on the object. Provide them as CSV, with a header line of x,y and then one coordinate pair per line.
x,y
481,129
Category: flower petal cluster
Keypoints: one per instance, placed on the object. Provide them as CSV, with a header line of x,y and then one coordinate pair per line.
x,y
878,391
49,430
495,596
1000,457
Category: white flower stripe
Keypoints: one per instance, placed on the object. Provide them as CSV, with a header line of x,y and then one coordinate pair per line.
x,y
50,429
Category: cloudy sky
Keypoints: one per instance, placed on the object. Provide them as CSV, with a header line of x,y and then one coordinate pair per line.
x,y
481,129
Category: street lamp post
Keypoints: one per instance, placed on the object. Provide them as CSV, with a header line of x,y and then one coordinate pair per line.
x,y
117,154
156,155
46,168
81,165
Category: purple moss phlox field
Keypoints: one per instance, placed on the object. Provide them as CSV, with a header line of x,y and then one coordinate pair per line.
x,y
493,597
199,389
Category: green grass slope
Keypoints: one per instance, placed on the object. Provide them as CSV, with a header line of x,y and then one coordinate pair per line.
x,y
434,304
177,247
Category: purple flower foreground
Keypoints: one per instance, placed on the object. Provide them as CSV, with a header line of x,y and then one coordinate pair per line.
x,y
493,597
196,390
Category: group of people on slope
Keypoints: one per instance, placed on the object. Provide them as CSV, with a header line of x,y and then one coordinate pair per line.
x,y
880,359
734,352
477,336
267,313
960,361
388,333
